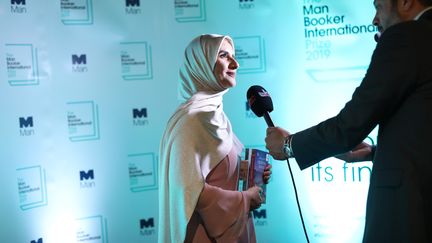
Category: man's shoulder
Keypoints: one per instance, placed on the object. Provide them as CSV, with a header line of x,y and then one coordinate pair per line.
x,y
426,16
409,30
405,26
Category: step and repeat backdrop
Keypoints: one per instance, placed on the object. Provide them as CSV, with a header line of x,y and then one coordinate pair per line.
x,y
87,86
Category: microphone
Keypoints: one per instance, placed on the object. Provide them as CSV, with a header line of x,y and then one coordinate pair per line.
x,y
377,36
260,102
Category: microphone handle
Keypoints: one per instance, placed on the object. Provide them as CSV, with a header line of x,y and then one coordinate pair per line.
x,y
268,119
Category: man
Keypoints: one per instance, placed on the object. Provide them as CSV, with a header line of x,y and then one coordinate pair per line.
x,y
396,94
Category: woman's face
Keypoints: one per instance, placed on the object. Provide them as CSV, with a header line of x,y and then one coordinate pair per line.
x,y
226,66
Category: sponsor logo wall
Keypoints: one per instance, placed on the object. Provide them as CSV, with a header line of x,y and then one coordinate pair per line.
x,y
86,88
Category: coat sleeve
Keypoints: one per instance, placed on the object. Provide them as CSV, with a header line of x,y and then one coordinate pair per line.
x,y
389,80
223,211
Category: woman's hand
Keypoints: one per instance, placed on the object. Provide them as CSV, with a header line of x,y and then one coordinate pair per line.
x,y
267,173
254,196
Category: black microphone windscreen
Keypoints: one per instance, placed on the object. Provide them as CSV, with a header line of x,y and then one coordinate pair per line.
x,y
377,36
259,100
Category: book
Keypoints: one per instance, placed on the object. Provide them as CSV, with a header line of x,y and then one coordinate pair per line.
x,y
251,170
243,175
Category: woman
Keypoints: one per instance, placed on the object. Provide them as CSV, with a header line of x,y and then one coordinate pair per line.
x,y
199,154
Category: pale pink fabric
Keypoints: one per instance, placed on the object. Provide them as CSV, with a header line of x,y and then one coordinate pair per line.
x,y
222,213
197,137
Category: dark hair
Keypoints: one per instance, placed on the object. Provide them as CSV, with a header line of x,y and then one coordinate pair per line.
x,y
426,2
423,2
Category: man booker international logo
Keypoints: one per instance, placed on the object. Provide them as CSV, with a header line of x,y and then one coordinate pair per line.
x,y
40,240
92,229
190,10
325,23
133,7
76,12
260,217
250,53
87,179
140,117
18,6
136,60
79,63
83,121
31,187
246,4
26,126
22,64
249,112
142,172
147,227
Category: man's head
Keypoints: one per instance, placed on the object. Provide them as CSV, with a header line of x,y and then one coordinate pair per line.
x,y
391,12
426,3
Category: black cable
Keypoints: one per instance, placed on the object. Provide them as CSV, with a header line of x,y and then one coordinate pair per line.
x,y
298,203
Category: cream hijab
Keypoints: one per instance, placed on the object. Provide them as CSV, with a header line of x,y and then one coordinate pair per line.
x,y
197,137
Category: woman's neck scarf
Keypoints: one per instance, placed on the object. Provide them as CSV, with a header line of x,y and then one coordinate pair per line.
x,y
197,137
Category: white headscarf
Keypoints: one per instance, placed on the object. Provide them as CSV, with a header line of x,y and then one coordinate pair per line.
x,y
197,137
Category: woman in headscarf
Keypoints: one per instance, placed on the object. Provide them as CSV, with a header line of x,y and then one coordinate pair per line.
x,y
199,154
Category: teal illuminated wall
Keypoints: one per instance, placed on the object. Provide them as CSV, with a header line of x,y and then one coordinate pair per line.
x,y
87,86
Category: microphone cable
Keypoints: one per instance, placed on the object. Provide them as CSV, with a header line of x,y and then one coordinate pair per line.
x,y
261,104
298,203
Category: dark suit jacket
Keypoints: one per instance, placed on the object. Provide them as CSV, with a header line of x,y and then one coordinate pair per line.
x,y
395,94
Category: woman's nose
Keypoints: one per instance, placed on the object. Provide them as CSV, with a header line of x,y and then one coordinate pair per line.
x,y
234,64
